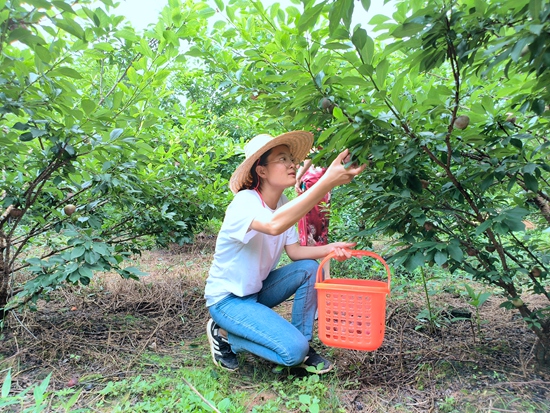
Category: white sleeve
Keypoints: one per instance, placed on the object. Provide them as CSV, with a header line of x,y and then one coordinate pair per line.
x,y
292,236
244,208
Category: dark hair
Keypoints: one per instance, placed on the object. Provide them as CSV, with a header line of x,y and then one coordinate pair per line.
x,y
253,180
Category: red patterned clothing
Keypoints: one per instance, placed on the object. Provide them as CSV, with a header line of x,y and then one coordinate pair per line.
x,y
313,227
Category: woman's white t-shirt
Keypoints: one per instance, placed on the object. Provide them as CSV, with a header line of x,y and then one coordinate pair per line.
x,y
243,257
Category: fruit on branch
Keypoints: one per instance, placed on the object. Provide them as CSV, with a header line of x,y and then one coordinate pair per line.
x,y
490,248
517,302
428,226
327,105
510,118
472,252
425,184
462,122
16,213
69,209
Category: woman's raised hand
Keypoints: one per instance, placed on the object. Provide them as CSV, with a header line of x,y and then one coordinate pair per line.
x,y
338,174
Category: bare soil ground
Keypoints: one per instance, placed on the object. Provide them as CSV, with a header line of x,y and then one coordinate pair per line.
x,y
89,336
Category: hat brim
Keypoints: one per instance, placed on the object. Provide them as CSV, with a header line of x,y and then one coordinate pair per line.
x,y
299,143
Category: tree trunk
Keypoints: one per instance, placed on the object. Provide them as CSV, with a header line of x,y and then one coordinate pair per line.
x,y
4,277
542,347
543,206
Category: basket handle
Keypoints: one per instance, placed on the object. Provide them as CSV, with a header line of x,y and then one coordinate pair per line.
x,y
354,253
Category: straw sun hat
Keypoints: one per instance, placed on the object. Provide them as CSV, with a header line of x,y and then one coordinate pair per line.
x,y
299,143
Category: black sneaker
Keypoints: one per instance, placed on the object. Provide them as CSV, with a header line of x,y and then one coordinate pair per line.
x,y
220,348
317,364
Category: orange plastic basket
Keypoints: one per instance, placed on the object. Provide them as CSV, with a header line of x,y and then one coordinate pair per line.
x,y
352,313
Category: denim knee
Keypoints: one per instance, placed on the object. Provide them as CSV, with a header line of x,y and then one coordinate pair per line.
x,y
310,267
296,353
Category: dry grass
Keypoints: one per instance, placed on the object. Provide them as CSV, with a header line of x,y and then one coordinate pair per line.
x,y
102,330
106,331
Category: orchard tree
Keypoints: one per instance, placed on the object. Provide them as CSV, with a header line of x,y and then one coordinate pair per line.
x,y
447,105
93,167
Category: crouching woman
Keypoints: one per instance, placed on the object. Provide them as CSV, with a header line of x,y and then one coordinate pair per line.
x,y
244,283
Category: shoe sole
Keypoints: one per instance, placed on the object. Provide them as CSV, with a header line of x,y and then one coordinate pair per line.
x,y
211,342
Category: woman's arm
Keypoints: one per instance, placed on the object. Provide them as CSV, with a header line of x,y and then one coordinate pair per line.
x,y
291,212
298,252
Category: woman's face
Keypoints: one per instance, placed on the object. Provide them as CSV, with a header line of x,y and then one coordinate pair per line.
x,y
280,168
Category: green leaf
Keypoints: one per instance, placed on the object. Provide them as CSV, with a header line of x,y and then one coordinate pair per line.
x,y
115,133
482,298
91,257
440,257
100,248
26,137
515,54
40,390
366,4
336,46
230,13
535,7
514,224
340,12
482,227
529,168
6,386
310,16
107,47
86,272
135,271
415,261
25,37
538,106
63,6
220,4
378,19
77,252
45,4
21,126
36,133
66,71
488,104
206,13
195,52
127,34
43,54
72,401
531,182
414,183
407,30
70,26
382,72
88,106
338,114
455,252
359,38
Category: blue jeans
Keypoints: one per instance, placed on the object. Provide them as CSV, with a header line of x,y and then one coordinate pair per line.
x,y
254,327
